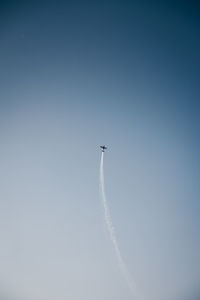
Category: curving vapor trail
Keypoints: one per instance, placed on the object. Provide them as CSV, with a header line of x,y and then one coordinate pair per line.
x,y
122,266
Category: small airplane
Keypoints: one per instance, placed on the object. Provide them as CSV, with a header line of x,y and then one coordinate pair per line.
x,y
103,148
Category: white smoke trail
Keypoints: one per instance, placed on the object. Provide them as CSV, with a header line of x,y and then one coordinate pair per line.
x,y
130,282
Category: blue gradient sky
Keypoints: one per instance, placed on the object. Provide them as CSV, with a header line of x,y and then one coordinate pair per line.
x,y
75,75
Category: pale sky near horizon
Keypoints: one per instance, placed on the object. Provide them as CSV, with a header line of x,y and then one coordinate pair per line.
x,y
75,75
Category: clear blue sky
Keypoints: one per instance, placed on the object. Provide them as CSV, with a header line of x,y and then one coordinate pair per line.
x,y
74,75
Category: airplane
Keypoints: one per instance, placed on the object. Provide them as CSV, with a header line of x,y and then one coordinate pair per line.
x,y
103,148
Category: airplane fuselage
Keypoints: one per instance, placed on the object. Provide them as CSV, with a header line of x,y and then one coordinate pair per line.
x,y
103,148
